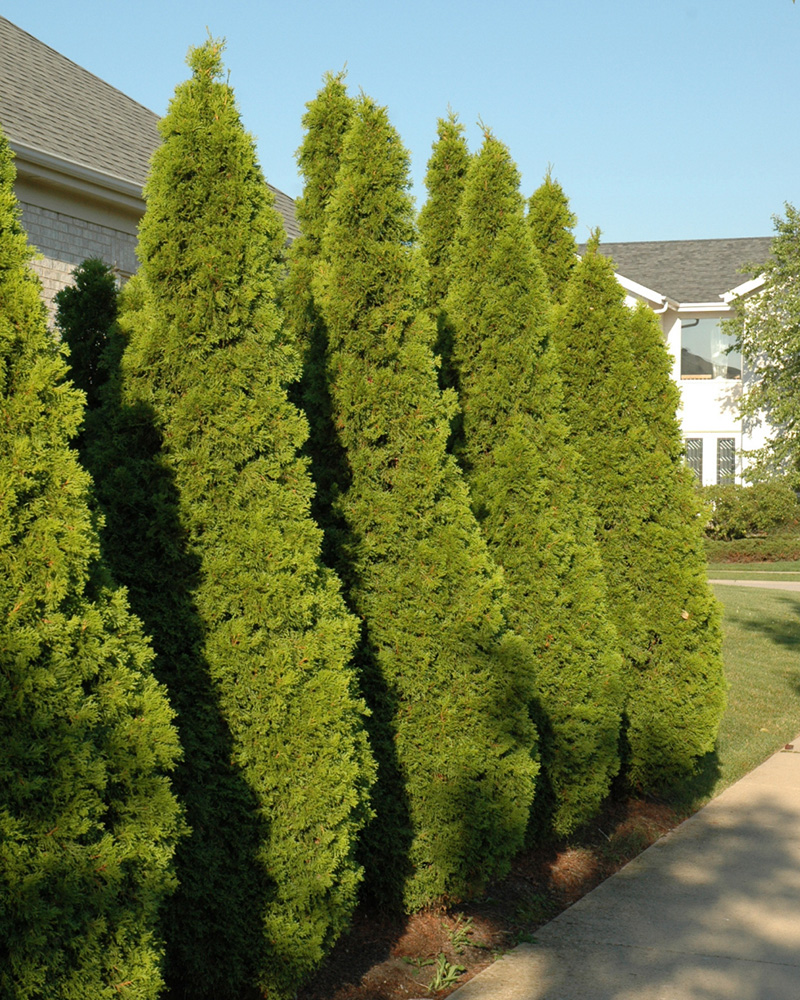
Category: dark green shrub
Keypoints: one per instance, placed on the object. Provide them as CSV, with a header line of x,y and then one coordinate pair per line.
x,y
739,511
622,408
774,548
88,822
447,681
524,480
86,311
209,526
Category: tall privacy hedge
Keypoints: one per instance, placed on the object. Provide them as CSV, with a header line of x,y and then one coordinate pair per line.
x,y
622,405
88,822
524,478
447,681
209,526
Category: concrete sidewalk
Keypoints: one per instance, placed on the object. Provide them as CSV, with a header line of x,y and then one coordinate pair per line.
x,y
768,584
709,912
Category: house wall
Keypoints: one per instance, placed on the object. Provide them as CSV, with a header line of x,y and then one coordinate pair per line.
x,y
709,407
66,231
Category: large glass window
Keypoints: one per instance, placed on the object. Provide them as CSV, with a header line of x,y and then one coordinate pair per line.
x,y
726,460
694,456
705,350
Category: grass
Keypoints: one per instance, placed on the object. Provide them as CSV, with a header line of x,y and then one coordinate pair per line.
x,y
762,664
754,571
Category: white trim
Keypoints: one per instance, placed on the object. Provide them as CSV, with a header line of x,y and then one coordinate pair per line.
x,y
719,308
643,292
39,166
744,289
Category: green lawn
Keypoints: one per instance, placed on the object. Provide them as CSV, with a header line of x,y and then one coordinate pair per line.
x,y
754,571
762,663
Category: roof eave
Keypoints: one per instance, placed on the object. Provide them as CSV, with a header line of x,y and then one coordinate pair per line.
x,y
659,302
40,167
746,288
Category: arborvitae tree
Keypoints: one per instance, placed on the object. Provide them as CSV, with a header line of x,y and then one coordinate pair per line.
x,y
326,121
88,822
445,179
622,407
551,224
85,313
447,680
210,529
524,481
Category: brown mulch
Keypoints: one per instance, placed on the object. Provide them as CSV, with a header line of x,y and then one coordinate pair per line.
x,y
429,954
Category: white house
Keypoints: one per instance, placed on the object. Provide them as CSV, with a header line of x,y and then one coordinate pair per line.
x,y
691,285
82,150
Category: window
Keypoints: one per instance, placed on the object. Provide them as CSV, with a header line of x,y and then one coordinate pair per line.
x,y
705,350
726,460
694,457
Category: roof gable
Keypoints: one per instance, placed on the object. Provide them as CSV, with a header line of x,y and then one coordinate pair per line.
x,y
688,270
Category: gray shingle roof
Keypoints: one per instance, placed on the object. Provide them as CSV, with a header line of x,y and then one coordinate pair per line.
x,y
49,103
689,270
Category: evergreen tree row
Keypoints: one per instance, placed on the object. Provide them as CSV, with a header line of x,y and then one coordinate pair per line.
x,y
524,478
440,609
446,680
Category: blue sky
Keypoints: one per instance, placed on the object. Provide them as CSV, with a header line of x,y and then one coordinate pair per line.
x,y
677,119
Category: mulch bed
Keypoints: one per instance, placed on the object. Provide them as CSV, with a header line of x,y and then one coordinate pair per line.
x,y
399,958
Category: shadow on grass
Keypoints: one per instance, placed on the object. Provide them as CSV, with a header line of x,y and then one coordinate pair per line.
x,y
784,631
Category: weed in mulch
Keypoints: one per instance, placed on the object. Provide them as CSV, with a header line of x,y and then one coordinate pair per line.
x,y
429,954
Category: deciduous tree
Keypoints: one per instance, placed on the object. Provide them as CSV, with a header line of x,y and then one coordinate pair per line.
x,y
767,327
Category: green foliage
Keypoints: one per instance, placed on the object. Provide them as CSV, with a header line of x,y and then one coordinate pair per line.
x,y
524,480
551,224
446,975
446,680
622,406
767,328
445,179
745,550
85,313
88,823
326,121
763,508
209,526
